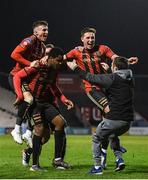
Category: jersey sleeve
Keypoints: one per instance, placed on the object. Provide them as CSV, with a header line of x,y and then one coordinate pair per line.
x,y
106,51
18,52
71,54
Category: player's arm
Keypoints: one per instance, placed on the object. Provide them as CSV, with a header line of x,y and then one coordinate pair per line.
x,y
110,54
58,93
19,51
131,60
70,55
17,55
104,80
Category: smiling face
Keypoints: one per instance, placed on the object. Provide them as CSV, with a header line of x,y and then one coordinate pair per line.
x,y
88,40
41,32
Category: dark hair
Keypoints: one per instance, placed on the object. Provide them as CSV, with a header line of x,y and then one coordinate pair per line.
x,y
121,62
87,29
39,23
55,51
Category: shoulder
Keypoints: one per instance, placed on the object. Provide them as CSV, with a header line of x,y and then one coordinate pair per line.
x,y
73,53
103,47
28,41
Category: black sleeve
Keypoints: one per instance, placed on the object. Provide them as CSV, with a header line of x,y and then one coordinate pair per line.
x,y
104,80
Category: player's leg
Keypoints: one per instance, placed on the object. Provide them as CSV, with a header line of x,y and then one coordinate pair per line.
x,y
57,120
99,99
23,108
38,128
27,136
16,132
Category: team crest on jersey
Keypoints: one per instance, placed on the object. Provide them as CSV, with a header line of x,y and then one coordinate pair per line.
x,y
26,42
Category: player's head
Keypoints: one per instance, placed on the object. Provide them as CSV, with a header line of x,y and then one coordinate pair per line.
x,y
55,57
88,37
119,63
40,29
48,48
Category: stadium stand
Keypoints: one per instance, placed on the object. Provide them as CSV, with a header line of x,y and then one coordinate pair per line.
x,y
7,111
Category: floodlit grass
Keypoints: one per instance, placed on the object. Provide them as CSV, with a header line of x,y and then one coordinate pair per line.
x,y
79,155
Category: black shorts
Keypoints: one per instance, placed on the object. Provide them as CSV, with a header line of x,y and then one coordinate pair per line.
x,y
43,113
98,98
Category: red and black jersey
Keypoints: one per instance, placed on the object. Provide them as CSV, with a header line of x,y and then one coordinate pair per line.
x,y
41,82
30,49
89,60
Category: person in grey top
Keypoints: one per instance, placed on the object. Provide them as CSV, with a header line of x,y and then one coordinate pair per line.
x,y
119,87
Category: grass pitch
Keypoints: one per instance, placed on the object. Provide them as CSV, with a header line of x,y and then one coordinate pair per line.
x,y
79,155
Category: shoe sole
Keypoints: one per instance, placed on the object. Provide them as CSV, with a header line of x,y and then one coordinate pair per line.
x,y
35,170
98,173
120,168
60,167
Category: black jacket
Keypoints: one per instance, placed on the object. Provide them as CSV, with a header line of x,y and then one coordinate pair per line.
x,y
119,90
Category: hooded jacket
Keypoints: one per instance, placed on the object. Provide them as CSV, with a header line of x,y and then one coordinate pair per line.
x,y
119,91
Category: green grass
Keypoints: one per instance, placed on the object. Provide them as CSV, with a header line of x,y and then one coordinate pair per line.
x,y
79,155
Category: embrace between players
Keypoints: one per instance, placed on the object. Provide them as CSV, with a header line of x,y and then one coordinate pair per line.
x,y
34,81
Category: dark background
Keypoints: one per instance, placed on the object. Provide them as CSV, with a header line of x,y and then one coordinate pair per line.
x,y
120,24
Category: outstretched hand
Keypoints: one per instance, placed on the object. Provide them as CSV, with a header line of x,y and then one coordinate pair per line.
x,y
34,64
105,66
72,65
69,104
133,60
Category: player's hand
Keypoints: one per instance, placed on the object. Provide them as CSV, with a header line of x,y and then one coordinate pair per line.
x,y
72,65
17,102
133,60
44,61
106,109
105,66
35,64
69,104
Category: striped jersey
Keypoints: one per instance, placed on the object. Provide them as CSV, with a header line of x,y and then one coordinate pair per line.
x,y
30,49
89,60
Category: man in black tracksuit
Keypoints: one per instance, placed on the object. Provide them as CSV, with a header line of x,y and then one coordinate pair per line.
x,y
119,90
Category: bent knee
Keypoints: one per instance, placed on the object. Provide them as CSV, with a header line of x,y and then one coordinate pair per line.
x,y
59,122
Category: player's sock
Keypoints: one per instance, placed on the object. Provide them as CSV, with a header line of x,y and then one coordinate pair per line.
x,y
23,109
29,150
59,142
36,149
64,148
